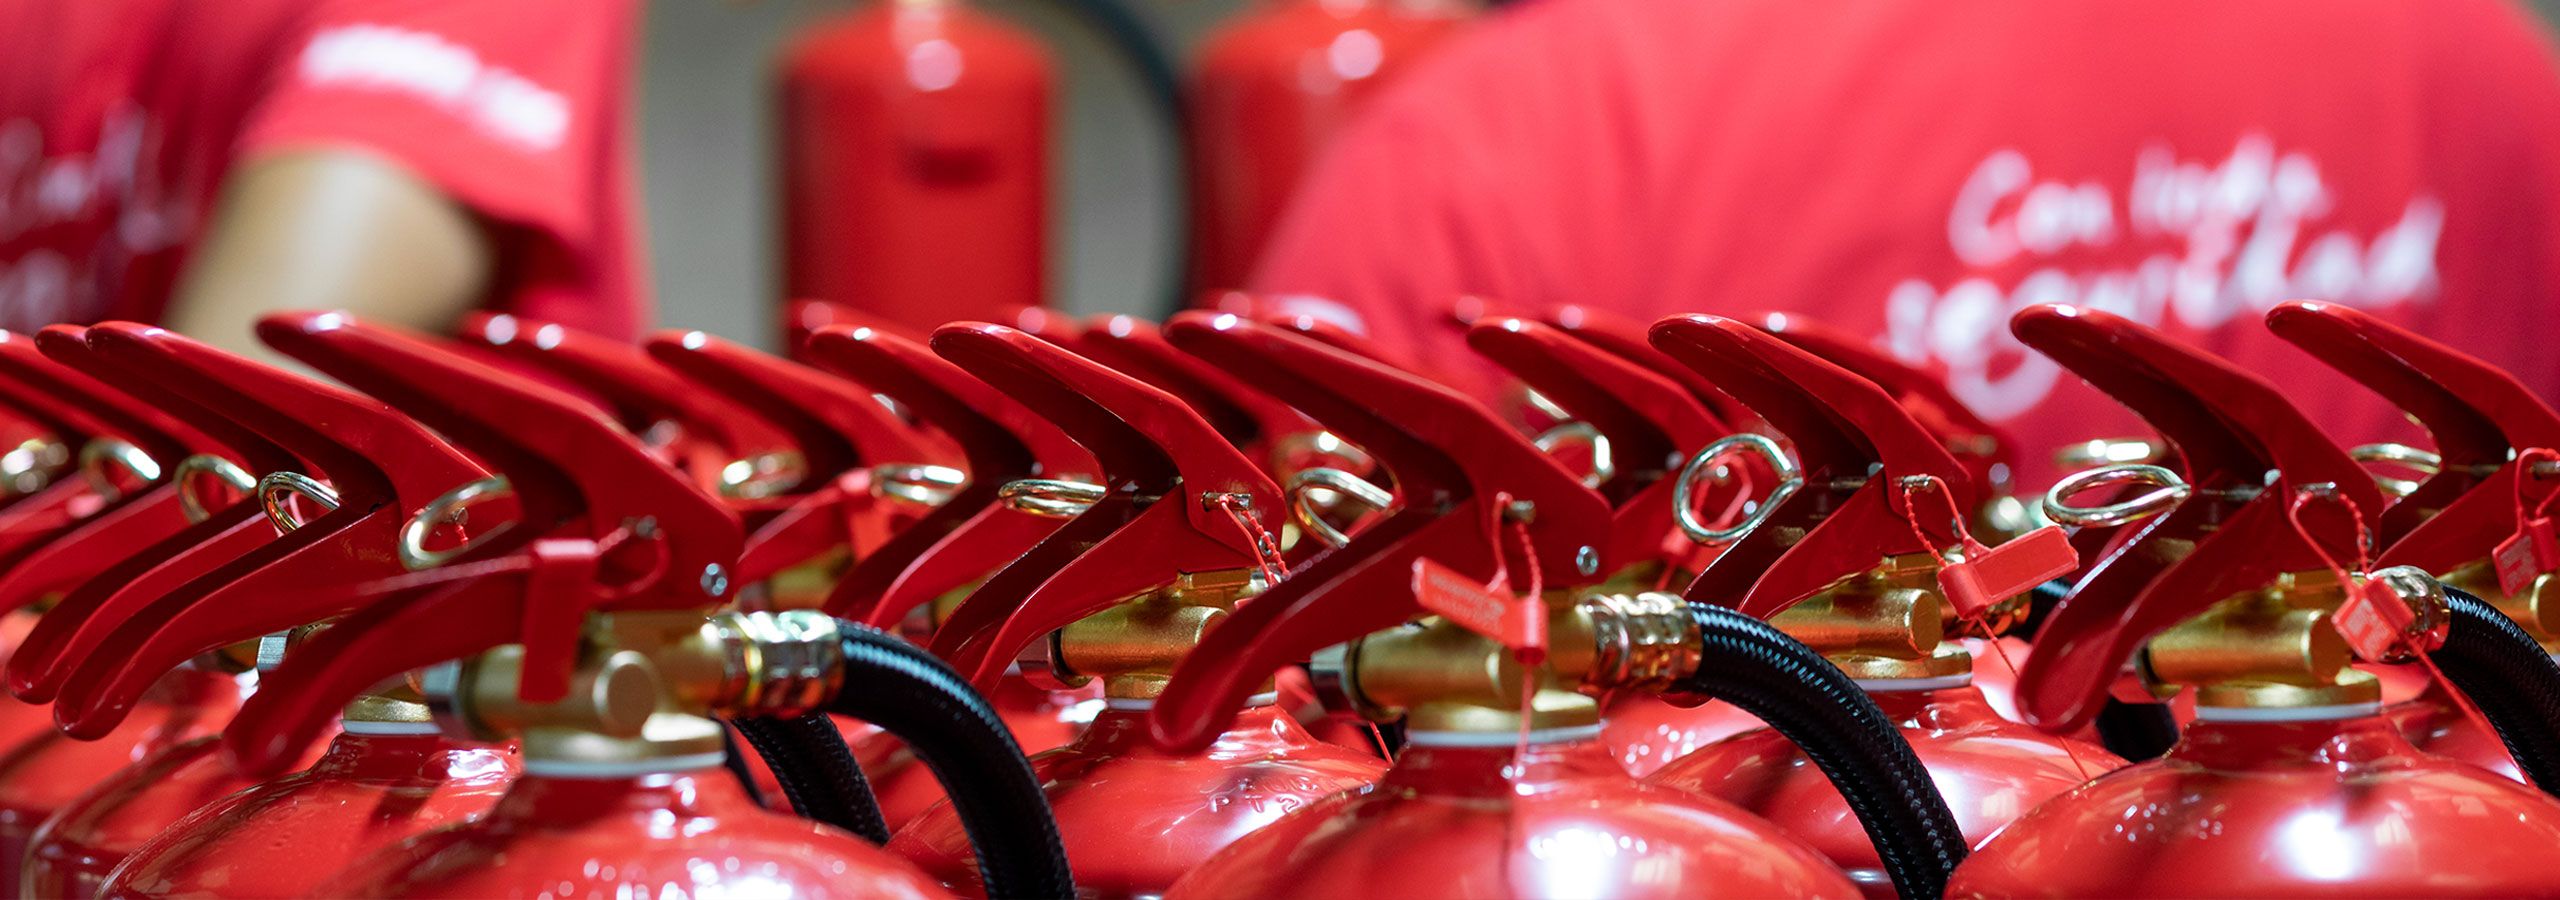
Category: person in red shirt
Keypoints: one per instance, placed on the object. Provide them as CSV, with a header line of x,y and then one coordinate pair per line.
x,y
198,164
1918,171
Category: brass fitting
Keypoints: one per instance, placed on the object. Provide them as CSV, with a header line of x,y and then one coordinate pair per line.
x,y
1442,677
780,664
2537,608
1134,646
2272,647
641,694
1888,623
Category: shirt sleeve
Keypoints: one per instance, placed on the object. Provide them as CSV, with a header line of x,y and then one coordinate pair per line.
x,y
513,108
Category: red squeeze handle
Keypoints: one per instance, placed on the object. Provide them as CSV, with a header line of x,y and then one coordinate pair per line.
x,y
1842,426
585,487
714,433
1157,453
1651,422
1927,399
839,429
2477,413
1451,458
971,534
1248,417
2230,429
382,464
160,435
1625,338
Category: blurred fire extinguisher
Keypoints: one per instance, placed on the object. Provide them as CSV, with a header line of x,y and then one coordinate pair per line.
x,y
1272,86
915,156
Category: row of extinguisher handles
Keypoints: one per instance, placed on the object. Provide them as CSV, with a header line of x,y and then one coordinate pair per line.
x,y
500,487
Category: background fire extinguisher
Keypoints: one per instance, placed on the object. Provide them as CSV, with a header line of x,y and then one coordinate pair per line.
x,y
1269,89
914,139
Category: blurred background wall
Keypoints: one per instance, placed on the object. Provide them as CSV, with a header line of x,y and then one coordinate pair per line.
x,y
704,138
706,122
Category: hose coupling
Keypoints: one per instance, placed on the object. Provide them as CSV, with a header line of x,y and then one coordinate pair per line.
x,y
779,663
1642,642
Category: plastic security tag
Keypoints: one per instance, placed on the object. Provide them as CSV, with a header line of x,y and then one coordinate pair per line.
x,y
1518,622
1988,576
2372,619
2534,549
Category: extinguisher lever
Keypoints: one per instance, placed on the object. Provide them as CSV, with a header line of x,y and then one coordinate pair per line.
x,y
1461,473
159,435
1248,417
1181,480
55,412
2478,415
2245,453
1649,422
970,534
1976,442
846,438
728,449
1857,447
1624,337
381,466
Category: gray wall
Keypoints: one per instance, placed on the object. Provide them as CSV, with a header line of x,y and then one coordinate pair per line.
x,y
704,126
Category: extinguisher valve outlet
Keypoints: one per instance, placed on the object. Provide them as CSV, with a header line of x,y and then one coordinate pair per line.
x,y
776,663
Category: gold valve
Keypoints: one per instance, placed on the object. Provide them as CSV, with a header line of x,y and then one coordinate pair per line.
x,y
1888,623
1132,647
2269,648
1439,676
2536,608
643,690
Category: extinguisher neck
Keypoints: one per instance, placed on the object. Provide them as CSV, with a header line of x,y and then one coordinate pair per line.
x,y
1262,730
542,799
1474,765
2345,743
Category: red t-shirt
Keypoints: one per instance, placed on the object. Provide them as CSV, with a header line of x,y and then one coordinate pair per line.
x,y
119,119
1917,171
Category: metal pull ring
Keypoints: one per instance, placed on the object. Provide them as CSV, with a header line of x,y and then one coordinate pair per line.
x,y
449,508
1684,510
918,483
2407,457
99,452
183,476
2172,490
762,475
276,494
1603,464
1345,487
1051,497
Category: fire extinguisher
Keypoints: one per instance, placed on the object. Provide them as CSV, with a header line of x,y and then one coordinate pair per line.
x,y
915,582
2490,432
129,497
117,644
595,644
1503,781
1271,88
1869,483
2290,782
915,151
1118,595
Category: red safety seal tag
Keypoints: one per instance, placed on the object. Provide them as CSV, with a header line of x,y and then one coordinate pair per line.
x,y
2534,548
1518,622
1990,575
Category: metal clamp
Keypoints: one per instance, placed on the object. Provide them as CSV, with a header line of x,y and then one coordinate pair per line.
x,y
2407,457
1051,497
1684,510
1603,464
762,475
2172,491
276,493
183,476
448,508
919,483
98,452
1303,506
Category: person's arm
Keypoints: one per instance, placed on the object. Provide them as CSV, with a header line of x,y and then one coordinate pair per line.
x,y
330,229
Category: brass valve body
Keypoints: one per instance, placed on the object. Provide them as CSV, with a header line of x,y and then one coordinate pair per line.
x,y
1887,623
643,689
2537,609
2268,648
1134,646
1442,677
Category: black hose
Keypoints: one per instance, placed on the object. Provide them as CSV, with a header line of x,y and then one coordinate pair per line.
x,y
735,760
956,733
2511,678
1754,666
809,757
2136,731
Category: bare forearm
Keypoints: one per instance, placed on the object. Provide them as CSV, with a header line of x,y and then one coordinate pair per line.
x,y
330,229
